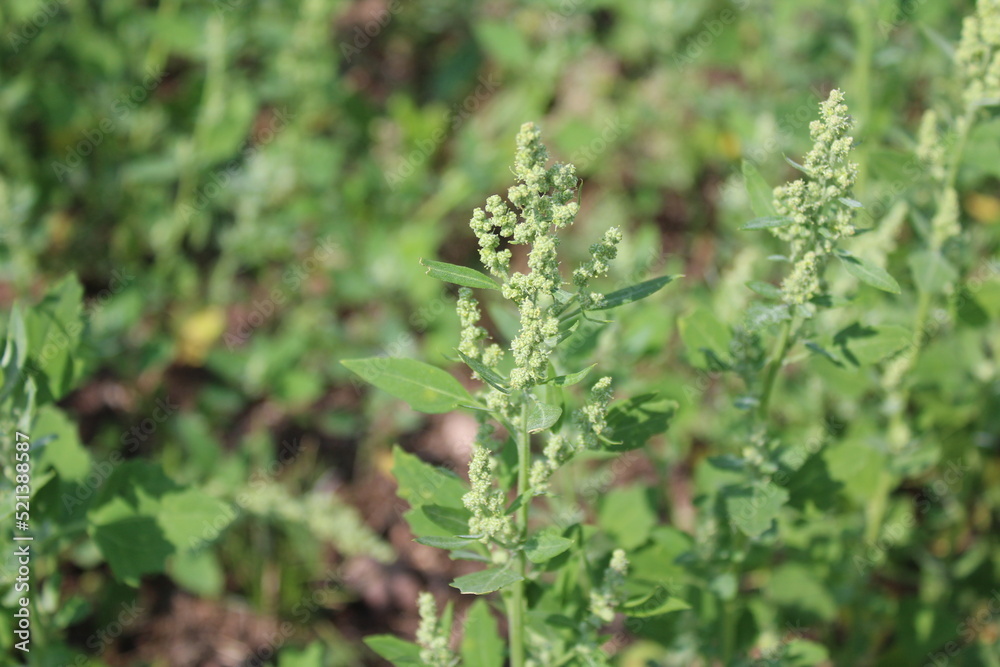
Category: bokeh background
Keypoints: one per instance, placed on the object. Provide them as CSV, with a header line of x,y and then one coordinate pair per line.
x,y
245,189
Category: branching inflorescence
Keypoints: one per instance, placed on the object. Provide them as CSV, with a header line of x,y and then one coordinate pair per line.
x,y
821,209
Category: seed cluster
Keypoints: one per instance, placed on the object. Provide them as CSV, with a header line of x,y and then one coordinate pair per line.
x,y
820,217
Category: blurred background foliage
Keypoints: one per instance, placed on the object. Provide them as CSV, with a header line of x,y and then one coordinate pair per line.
x,y
244,189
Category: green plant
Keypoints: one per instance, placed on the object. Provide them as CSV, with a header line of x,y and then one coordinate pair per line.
x,y
566,578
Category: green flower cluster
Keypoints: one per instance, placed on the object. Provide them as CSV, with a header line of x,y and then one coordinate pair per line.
x,y
978,54
486,502
432,638
543,201
604,600
590,423
820,210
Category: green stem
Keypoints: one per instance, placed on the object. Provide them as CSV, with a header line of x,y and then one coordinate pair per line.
x,y
777,359
517,609
864,24
964,125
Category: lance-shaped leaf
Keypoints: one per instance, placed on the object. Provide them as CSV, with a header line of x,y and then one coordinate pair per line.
x,y
397,651
634,292
426,388
867,272
768,222
571,378
654,603
486,374
458,275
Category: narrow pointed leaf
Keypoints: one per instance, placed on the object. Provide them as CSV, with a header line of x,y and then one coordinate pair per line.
x,y
653,605
796,165
769,222
397,651
487,374
634,293
570,379
764,289
867,272
458,275
853,203
426,388
446,542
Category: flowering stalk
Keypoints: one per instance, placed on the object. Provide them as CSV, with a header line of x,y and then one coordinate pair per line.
x,y
523,397
813,215
978,62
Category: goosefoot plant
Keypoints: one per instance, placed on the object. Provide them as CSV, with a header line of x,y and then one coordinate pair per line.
x,y
813,215
568,580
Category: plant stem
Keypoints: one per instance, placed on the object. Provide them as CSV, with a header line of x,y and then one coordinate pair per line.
x,y
773,366
517,609
877,508
864,23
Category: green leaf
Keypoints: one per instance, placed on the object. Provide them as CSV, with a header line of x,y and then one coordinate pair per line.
x,y
570,379
864,346
752,509
313,655
420,483
761,195
655,603
198,571
191,518
63,452
482,645
446,542
931,271
852,203
53,330
395,650
458,275
823,352
542,416
769,222
545,546
635,292
766,290
132,542
796,165
451,519
487,374
806,653
425,387
627,515
867,272
633,422
702,332
486,581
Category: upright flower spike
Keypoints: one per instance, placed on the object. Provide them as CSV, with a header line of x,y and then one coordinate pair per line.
x,y
978,54
608,597
431,637
544,200
469,315
487,503
817,209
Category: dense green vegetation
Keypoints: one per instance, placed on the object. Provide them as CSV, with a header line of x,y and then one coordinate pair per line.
x,y
206,207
